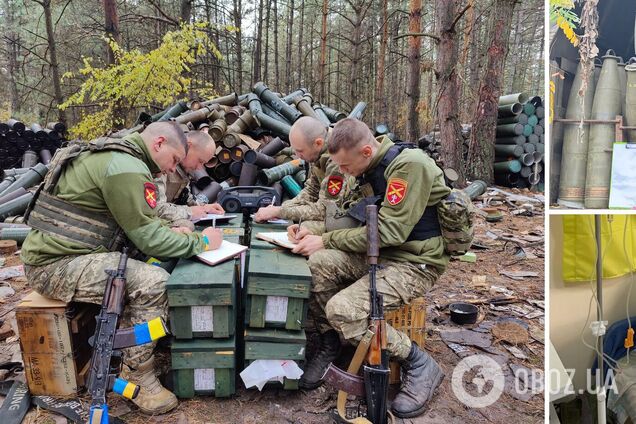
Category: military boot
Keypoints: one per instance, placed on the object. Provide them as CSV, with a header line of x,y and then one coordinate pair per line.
x,y
420,377
328,351
153,398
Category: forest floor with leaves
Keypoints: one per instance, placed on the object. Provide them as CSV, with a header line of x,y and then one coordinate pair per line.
x,y
507,284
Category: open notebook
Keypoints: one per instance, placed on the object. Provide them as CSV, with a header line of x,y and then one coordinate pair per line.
x,y
226,251
279,238
219,219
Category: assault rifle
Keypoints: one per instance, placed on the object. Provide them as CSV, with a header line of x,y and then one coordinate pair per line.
x,y
107,342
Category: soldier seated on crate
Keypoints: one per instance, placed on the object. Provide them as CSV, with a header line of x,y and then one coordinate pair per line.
x,y
326,184
175,202
407,185
89,204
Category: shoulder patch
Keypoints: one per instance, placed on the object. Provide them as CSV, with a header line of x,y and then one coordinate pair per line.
x,y
334,185
396,191
150,194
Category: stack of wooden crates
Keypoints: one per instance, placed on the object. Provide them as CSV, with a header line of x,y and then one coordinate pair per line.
x,y
203,304
277,290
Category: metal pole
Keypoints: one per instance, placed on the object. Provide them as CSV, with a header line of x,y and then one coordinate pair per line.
x,y
600,391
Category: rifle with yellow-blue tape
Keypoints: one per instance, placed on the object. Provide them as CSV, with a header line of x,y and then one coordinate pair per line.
x,y
108,340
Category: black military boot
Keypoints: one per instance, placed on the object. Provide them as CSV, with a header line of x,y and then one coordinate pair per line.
x,y
420,377
328,351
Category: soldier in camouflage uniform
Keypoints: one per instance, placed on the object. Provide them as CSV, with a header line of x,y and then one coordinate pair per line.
x,y
325,183
175,203
78,225
407,185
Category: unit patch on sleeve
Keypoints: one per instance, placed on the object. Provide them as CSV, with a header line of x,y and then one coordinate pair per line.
x,y
396,191
150,194
334,184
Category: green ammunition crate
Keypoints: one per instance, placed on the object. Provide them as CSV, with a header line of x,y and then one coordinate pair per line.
x,y
233,231
273,343
202,299
278,287
203,367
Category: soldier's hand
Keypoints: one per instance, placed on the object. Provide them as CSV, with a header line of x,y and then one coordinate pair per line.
x,y
182,230
295,235
267,213
215,237
214,208
197,212
309,245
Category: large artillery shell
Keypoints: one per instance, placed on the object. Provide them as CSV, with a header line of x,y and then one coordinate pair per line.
x,y
508,150
476,189
333,115
540,112
16,125
529,148
575,145
229,100
289,99
517,139
508,110
233,114
248,174
174,111
29,159
622,78
221,171
30,178
238,152
606,105
528,108
273,147
532,120
630,101
534,138
509,130
17,234
16,206
217,129
513,98
201,178
358,111
235,168
259,159
276,173
245,122
275,102
231,140
13,195
320,114
305,107
522,118
538,129
209,193
224,156
507,167
290,185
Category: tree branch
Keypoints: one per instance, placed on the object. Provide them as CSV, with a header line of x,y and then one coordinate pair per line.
x,y
459,16
418,34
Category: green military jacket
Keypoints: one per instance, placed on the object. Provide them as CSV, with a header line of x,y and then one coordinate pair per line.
x,y
325,183
169,187
121,185
423,185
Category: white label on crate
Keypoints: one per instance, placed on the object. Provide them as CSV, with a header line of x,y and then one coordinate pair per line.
x,y
276,309
204,379
202,318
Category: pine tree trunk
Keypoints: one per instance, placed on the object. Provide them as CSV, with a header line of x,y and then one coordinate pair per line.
x,y
414,54
55,71
301,29
111,20
266,58
323,51
380,98
256,74
276,52
238,81
448,87
288,51
481,150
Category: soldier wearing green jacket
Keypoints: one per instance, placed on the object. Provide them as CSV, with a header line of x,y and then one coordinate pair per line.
x,y
407,185
83,215
175,202
325,183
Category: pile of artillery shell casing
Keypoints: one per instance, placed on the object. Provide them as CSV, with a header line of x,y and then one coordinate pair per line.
x,y
25,152
431,143
586,159
251,132
23,146
519,142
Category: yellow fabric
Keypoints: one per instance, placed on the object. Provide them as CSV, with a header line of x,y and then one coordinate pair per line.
x,y
156,328
129,390
579,246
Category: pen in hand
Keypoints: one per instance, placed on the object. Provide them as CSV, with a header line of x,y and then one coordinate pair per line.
x,y
300,222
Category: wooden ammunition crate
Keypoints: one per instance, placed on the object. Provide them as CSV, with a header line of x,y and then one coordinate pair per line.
x,y
202,299
203,367
54,343
233,231
278,287
411,320
273,343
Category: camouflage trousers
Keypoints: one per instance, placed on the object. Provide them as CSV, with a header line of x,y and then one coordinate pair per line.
x,y
145,289
340,293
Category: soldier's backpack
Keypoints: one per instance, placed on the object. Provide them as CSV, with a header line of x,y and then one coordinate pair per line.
x,y
456,215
